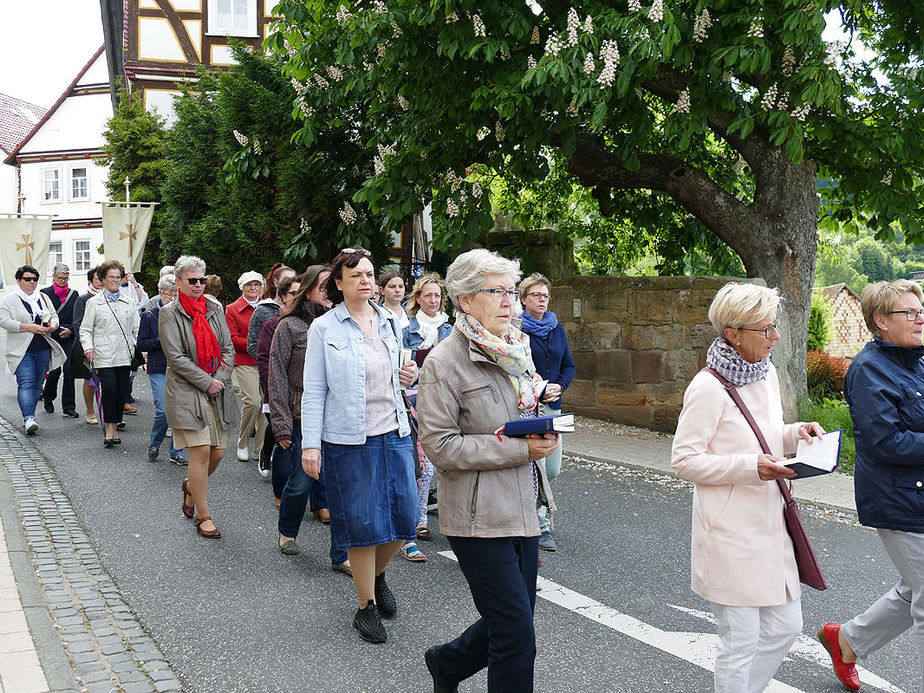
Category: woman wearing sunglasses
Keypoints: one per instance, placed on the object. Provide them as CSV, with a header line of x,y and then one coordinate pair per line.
x,y
200,355
29,318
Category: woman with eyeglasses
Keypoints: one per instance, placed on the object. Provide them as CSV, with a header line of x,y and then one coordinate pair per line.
x,y
742,559
472,383
108,335
355,427
29,319
884,388
200,357
552,357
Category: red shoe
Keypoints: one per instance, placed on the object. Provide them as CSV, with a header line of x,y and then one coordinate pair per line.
x,y
847,673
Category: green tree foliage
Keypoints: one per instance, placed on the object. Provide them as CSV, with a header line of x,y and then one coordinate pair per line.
x,y
732,110
819,324
135,150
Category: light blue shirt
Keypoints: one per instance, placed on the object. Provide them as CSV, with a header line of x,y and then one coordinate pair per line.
x,y
334,396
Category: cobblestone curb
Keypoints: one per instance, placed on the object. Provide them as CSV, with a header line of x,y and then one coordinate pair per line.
x,y
103,639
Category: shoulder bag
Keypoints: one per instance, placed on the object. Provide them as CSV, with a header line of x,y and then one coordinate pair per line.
x,y
137,357
807,561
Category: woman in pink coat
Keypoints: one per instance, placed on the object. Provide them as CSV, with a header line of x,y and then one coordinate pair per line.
x,y
742,557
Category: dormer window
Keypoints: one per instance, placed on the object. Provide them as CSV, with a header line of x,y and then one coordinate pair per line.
x,y
233,17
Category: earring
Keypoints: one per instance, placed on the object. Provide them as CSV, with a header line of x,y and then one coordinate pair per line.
x,y
739,343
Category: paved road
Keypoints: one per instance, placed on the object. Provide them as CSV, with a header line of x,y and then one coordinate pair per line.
x,y
236,615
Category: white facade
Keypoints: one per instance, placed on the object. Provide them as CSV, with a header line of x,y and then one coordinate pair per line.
x,y
59,171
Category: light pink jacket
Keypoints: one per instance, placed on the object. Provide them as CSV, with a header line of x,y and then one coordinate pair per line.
x,y
741,554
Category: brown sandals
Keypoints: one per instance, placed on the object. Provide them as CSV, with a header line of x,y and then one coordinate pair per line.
x,y
188,510
207,533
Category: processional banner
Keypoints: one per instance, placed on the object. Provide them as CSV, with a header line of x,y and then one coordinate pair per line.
x,y
125,231
24,240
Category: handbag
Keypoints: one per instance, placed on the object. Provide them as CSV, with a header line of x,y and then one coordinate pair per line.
x,y
806,560
138,359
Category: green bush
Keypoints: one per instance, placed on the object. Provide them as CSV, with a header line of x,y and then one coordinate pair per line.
x,y
832,414
819,324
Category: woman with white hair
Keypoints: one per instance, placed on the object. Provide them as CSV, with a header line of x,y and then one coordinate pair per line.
x,y
200,356
473,382
246,375
742,557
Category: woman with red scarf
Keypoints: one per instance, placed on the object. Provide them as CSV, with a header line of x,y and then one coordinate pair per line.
x,y
197,392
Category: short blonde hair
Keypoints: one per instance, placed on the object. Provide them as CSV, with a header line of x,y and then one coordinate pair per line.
x,y
531,281
430,278
878,299
738,304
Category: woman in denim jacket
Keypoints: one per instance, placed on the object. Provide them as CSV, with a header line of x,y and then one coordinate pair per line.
x,y
352,402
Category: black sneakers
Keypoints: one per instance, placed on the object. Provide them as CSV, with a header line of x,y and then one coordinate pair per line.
x,y
385,598
369,624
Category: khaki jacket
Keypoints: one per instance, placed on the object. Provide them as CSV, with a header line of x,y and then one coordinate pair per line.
x,y
185,383
110,329
485,485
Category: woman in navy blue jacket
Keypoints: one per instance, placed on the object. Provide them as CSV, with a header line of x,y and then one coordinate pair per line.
x,y
553,361
885,391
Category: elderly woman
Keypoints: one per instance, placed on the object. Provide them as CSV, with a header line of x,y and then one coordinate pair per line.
x,y
352,403
552,356
883,388
200,358
108,335
429,325
149,342
472,383
246,376
63,299
79,368
742,557
30,320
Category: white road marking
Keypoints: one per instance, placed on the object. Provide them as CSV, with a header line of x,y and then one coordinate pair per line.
x,y
696,648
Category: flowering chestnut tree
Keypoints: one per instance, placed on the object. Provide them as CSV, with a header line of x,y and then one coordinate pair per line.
x,y
732,109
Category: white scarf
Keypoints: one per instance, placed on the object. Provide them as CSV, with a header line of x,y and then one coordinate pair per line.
x,y
34,300
429,327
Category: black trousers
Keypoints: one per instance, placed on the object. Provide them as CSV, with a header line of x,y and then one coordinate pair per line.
x,y
50,392
114,383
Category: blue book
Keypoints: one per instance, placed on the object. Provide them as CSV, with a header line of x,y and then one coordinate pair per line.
x,y
821,457
561,423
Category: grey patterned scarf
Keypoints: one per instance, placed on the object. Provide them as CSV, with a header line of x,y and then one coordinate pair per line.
x,y
728,363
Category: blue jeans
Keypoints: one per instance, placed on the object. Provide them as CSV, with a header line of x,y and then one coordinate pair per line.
x,y
299,487
159,429
501,574
552,467
30,377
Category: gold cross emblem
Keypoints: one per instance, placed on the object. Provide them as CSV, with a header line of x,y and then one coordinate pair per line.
x,y
27,246
131,235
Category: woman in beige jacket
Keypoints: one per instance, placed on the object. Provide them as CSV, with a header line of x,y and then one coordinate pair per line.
x,y
742,557
472,383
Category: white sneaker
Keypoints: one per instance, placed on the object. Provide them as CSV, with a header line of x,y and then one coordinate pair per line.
x,y
31,427
243,454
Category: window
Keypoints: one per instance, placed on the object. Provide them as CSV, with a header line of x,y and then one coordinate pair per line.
x,y
233,17
80,184
81,256
55,256
51,185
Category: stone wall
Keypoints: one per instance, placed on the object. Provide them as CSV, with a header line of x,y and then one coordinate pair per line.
x,y
637,343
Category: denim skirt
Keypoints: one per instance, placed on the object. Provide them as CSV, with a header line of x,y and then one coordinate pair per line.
x,y
371,491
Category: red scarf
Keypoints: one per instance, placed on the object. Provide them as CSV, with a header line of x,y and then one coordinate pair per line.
x,y
207,350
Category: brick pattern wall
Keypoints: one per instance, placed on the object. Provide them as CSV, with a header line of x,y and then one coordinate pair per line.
x,y
637,343
848,328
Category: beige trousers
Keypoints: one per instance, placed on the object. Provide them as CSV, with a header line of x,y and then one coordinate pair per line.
x,y
247,380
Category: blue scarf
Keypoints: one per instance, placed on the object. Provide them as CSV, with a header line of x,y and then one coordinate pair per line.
x,y
723,357
539,328
112,296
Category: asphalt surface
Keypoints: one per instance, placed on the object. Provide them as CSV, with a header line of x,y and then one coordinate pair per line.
x,y
236,615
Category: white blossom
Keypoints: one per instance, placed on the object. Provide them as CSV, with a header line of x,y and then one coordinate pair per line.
x,y
452,18
343,14
769,99
701,26
571,111
241,139
453,180
380,49
499,131
504,55
534,38
589,65
656,13
476,190
913,74
634,5
643,34
385,150
683,101
789,61
801,112
574,23
609,56
463,197
482,132
257,147
335,73
782,103
396,30
367,65
403,103
478,25
304,226
887,179
588,25
307,110
298,86
727,76
347,214
834,49
452,209
756,30
553,45
378,165
321,82
379,7
530,63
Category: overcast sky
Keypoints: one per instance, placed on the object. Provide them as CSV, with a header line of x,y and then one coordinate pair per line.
x,y
45,43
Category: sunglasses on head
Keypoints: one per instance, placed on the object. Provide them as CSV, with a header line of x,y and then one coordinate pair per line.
x,y
361,251
195,280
